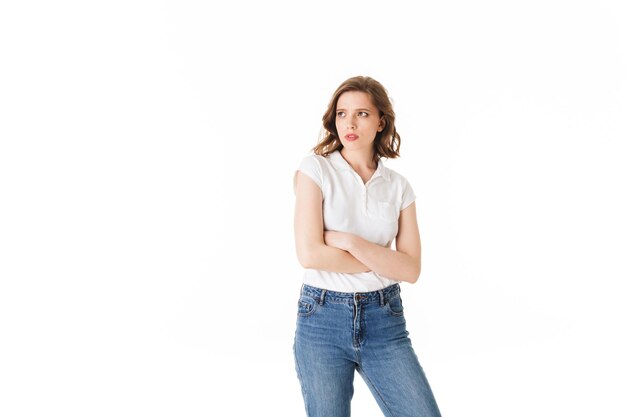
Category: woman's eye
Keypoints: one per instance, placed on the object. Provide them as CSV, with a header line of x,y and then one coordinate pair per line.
x,y
340,114
363,114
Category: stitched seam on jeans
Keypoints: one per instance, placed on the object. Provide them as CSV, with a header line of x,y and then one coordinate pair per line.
x,y
306,403
391,311
394,313
377,391
311,311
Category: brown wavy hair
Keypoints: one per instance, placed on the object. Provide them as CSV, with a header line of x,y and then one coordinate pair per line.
x,y
386,143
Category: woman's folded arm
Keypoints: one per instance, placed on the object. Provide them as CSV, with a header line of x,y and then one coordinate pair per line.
x,y
311,250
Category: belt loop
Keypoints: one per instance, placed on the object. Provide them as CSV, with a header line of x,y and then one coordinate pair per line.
x,y
322,296
381,297
301,288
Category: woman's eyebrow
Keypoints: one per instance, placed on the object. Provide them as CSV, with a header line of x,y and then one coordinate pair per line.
x,y
361,109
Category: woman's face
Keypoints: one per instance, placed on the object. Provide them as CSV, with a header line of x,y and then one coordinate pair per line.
x,y
357,120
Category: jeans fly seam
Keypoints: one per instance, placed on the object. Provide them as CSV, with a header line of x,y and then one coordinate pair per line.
x,y
354,325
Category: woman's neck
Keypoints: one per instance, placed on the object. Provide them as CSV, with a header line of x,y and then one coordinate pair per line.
x,y
360,160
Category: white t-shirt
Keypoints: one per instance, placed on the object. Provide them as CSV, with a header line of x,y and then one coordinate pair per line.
x,y
370,211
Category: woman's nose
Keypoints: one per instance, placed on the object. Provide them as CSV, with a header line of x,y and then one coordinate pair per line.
x,y
350,122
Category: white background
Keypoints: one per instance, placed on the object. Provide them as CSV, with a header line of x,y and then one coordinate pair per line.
x,y
147,261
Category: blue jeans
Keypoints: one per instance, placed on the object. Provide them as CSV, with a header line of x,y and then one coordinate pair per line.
x,y
338,333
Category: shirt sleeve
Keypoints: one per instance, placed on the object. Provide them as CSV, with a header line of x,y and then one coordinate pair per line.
x,y
408,195
309,166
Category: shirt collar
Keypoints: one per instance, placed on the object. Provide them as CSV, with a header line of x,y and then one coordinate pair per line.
x,y
342,165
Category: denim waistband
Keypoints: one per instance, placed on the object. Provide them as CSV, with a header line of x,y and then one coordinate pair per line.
x,y
322,295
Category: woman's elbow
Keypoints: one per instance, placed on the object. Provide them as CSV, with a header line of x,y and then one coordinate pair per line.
x,y
306,257
412,279
415,274
302,258
304,262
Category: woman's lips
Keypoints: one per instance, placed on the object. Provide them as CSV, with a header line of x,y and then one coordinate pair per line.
x,y
350,137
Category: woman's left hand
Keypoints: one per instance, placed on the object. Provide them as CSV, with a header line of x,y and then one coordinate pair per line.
x,y
341,240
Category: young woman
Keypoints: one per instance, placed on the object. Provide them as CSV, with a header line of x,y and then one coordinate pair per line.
x,y
349,208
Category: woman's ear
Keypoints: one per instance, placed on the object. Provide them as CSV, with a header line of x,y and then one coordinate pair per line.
x,y
382,124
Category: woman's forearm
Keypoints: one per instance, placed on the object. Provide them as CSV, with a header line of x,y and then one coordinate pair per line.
x,y
328,258
384,261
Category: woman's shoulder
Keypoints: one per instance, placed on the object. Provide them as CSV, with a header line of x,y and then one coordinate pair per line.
x,y
314,160
395,176
315,156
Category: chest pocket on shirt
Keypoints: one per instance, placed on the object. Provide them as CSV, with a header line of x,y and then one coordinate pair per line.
x,y
385,211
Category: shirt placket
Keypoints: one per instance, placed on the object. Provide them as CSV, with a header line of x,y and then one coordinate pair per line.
x,y
364,198
363,193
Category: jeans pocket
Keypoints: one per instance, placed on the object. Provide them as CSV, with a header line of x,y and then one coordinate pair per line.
x,y
306,306
394,306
